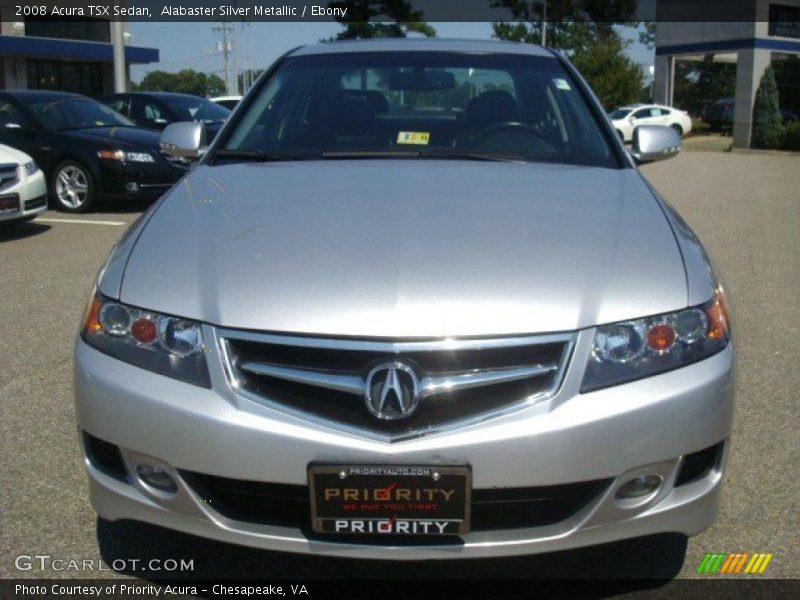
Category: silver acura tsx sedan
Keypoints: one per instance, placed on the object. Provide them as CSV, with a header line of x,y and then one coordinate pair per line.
x,y
414,301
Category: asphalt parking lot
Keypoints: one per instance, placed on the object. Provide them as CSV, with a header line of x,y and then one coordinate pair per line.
x,y
746,209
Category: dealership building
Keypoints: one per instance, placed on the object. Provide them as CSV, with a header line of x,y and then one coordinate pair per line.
x,y
61,53
754,34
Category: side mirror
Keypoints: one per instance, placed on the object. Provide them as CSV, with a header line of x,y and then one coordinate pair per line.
x,y
631,120
654,142
186,139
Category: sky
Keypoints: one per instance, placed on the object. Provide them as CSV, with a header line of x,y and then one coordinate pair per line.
x,y
194,45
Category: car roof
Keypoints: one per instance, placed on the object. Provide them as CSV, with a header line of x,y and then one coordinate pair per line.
x,y
422,45
638,106
34,95
158,94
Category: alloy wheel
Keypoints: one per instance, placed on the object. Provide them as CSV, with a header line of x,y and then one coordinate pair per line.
x,y
72,187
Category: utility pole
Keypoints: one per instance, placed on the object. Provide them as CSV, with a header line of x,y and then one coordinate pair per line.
x,y
225,48
235,62
247,44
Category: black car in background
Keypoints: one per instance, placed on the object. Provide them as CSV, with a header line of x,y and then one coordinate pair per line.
x,y
156,110
86,150
720,114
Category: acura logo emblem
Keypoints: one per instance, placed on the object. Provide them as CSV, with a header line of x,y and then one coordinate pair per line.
x,y
392,391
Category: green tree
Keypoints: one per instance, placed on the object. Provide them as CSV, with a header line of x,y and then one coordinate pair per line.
x,y
767,120
699,84
614,77
647,35
787,77
585,31
361,14
186,81
572,25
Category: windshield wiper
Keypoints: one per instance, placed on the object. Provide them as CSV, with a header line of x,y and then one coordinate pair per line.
x,y
255,155
435,154
79,127
467,155
349,154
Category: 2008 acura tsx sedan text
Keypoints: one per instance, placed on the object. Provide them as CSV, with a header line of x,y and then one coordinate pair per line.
x,y
414,301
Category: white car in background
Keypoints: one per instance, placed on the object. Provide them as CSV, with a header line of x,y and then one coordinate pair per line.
x,y
23,190
228,102
627,118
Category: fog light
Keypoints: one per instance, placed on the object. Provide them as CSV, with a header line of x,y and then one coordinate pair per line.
x,y
157,478
639,487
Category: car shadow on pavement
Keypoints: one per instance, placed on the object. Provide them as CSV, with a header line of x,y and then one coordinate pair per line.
x,y
18,231
121,207
640,563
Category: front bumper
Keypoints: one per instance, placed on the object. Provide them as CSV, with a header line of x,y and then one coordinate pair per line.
x,y
135,181
32,194
644,427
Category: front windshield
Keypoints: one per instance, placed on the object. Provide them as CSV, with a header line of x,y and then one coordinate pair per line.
x,y
197,109
620,113
77,113
420,104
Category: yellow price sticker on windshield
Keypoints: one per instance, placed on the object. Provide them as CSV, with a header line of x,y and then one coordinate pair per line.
x,y
420,138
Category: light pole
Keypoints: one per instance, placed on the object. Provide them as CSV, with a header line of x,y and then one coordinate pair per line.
x,y
544,23
118,42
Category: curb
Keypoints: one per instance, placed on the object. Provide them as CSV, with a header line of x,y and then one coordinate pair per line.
x,y
765,152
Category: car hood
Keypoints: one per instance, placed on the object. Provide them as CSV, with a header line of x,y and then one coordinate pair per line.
x,y
406,248
127,136
9,155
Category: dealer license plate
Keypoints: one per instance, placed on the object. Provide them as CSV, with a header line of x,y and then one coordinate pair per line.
x,y
390,499
9,204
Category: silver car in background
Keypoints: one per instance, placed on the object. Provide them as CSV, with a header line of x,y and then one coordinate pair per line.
x,y
415,301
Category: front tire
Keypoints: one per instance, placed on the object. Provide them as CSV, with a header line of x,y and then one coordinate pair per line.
x,y
73,188
678,129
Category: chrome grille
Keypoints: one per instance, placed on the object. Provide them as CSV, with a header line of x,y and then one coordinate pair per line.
x,y
9,175
460,381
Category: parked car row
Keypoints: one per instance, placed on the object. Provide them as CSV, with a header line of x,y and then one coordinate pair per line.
x,y
86,150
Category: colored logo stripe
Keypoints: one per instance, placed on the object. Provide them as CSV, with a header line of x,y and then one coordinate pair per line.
x,y
758,563
711,563
734,563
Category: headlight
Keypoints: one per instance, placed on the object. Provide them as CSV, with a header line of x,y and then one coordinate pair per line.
x,y
30,168
639,348
123,156
164,344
